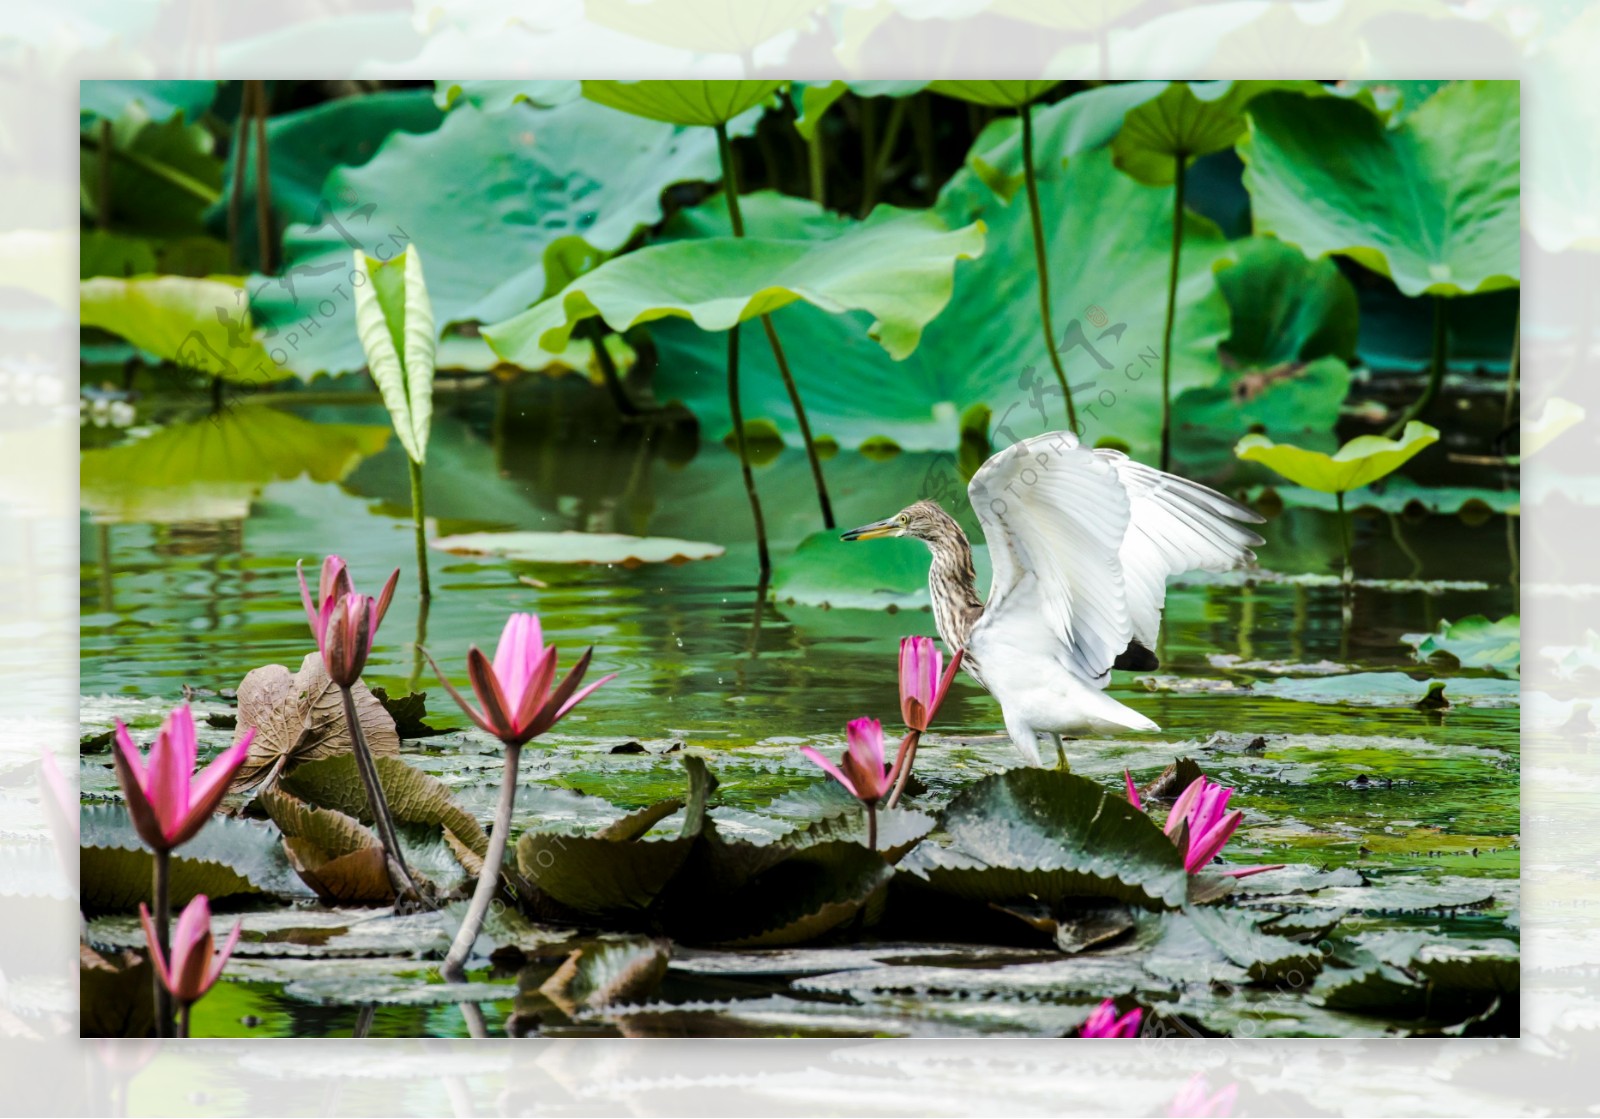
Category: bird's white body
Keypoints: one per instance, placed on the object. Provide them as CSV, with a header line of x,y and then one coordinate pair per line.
x,y
1082,542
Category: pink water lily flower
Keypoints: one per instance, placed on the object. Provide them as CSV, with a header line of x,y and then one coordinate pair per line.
x,y
1105,1023
343,622
167,801
1203,807
1195,1100
861,770
195,965
923,680
517,702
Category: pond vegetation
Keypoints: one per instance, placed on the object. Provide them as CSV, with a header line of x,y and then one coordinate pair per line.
x,y
489,334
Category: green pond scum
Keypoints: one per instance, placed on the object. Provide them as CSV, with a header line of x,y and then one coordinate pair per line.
x,y
1186,270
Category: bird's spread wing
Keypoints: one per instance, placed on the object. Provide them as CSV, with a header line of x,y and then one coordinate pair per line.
x,y
1175,525
1082,543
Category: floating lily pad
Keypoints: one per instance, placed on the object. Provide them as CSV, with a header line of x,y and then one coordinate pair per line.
x,y
578,547
1390,689
414,797
1473,642
608,973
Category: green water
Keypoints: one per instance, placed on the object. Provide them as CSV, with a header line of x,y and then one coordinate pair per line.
x,y
193,584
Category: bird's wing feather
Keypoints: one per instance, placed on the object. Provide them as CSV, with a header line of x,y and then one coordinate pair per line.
x,y
1175,525
1054,515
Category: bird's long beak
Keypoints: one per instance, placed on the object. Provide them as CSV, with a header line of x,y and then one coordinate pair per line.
x,y
886,527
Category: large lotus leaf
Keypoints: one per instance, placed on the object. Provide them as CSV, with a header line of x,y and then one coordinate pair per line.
x,y
1061,131
1050,835
682,102
995,94
414,797
578,547
896,266
162,175
157,101
1285,307
227,857
1187,119
814,99
862,575
540,176
300,719
304,146
1473,642
212,469
202,325
1286,401
985,347
1432,203
607,973
495,96
1364,459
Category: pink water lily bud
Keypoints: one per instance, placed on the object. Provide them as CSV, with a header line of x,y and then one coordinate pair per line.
x,y
1203,806
861,770
1105,1023
923,680
167,801
194,966
517,702
344,623
1133,793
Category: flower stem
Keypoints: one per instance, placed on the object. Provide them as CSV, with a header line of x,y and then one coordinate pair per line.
x,y
872,826
183,1019
418,517
161,892
902,764
379,805
1344,539
1041,265
1513,373
454,968
1440,358
1172,310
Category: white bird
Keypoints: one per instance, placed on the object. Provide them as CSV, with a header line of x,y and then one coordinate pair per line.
x,y
1082,543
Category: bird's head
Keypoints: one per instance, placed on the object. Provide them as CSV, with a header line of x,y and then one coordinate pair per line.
x,y
923,520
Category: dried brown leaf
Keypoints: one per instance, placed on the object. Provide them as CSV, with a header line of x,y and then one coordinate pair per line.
x,y
300,718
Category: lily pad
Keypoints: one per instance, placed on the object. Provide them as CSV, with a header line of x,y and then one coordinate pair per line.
x,y
200,325
300,718
608,973
414,797
1326,174
578,547
896,265
1362,460
337,857
1473,642
1051,835
1390,689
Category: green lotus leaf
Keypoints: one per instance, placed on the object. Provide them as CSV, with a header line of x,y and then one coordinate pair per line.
x,y
1558,415
1265,956
882,575
896,266
162,176
1050,835
1285,307
1363,460
1083,122
1398,493
578,547
1394,99
212,469
495,96
814,99
541,176
995,94
103,253
394,319
304,146
1473,642
608,973
414,797
813,891
200,325
157,101
682,102
1187,119
984,348
227,857
1326,174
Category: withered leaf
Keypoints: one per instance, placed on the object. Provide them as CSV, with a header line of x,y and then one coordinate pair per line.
x,y
300,718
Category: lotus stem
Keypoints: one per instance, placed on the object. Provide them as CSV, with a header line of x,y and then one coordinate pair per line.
x,y
869,147
376,801
189,185
473,1014
891,134
1344,539
263,180
1172,311
418,519
416,647
103,178
1513,374
241,146
608,370
1041,265
730,179
1440,358
183,1019
454,967
816,164
901,772
161,894
872,826
922,136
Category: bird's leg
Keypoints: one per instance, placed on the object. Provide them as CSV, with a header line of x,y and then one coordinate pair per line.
x,y
1026,740
1061,752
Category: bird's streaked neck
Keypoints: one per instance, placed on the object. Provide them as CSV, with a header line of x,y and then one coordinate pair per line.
x,y
953,585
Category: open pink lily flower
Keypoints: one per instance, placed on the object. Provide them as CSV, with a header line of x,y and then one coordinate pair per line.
x,y
1105,1023
344,622
195,965
861,770
167,800
515,693
1203,806
923,680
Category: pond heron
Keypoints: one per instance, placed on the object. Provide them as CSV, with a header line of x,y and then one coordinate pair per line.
x,y
1082,542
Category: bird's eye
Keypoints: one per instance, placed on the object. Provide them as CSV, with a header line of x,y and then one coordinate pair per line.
x,y
904,520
